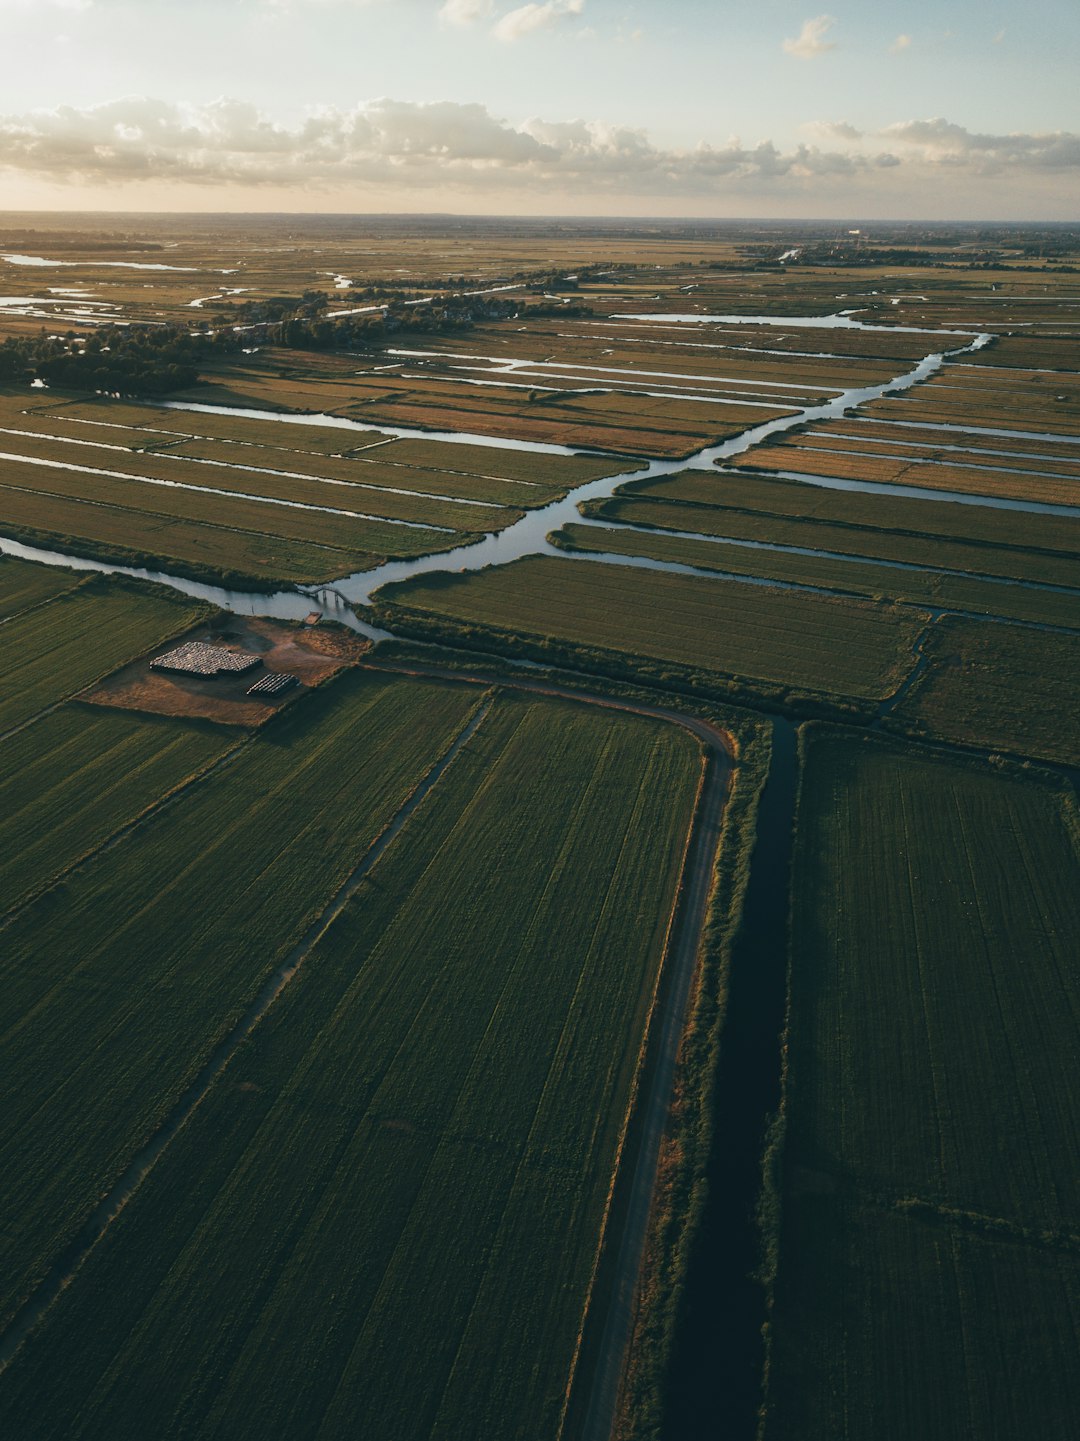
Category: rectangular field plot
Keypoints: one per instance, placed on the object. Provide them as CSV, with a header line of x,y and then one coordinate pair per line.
x,y
892,1327
714,627
384,1217
809,459
118,985
24,585
832,573
935,534
999,687
74,777
57,649
930,1206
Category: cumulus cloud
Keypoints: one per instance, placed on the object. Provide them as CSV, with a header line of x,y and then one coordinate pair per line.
x,y
941,142
465,12
810,41
527,18
402,146
834,130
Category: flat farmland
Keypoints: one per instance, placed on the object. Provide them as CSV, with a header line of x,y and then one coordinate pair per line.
x,y
57,648
305,496
385,1215
76,776
928,1269
899,443
1042,402
715,627
1046,487
23,585
924,533
998,687
554,473
216,535
624,424
119,983
837,574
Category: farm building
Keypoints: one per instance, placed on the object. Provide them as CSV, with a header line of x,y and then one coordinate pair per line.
x,y
197,657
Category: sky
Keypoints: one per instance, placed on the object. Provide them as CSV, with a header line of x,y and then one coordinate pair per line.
x,y
937,110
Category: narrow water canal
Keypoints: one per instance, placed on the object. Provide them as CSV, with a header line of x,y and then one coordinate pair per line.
x,y
714,1386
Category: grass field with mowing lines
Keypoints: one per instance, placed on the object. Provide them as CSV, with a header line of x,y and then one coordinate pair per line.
x,y
920,587
369,470
24,585
85,632
237,476
1012,544
998,687
118,984
385,1217
929,1257
71,779
886,470
713,626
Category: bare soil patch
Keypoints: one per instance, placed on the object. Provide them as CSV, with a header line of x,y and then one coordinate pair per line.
x,y
310,653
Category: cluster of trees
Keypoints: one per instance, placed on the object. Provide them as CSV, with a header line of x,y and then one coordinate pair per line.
x,y
157,359
116,360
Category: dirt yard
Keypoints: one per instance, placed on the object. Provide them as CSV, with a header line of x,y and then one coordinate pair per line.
x,y
310,653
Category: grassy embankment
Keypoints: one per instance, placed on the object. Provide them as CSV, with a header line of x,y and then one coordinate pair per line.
x,y
723,639
386,1214
926,1225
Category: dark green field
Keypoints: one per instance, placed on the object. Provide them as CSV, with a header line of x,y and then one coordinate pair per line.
x,y
845,577
929,1258
998,687
386,1213
85,631
929,1254
714,627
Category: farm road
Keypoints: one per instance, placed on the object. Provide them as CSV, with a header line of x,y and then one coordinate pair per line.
x,y
609,1318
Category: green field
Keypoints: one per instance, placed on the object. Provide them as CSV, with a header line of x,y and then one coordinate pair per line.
x,y
118,984
250,474
1011,544
86,631
929,1256
714,627
999,687
384,1218
71,779
24,585
848,577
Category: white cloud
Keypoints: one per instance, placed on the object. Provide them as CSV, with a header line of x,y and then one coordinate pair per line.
x,y
465,12
834,130
395,147
527,18
942,143
900,44
810,41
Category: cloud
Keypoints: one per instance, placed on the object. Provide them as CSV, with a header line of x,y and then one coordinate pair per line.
x,y
465,12
834,130
942,143
900,44
527,18
402,148
810,41
998,38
